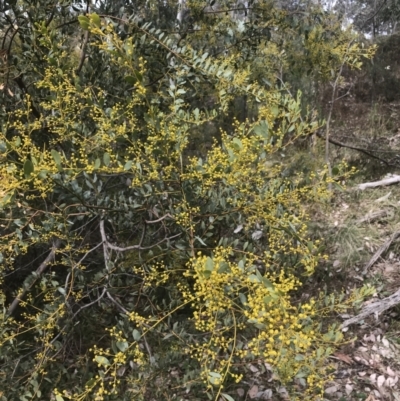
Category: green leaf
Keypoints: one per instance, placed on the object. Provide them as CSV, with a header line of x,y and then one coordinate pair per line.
x,y
128,165
28,168
227,397
56,156
267,283
138,76
61,290
95,19
301,374
201,241
243,298
335,171
90,383
206,273
267,300
130,79
106,159
97,164
262,129
293,227
136,335
59,398
122,345
238,143
84,22
253,278
209,264
274,110
223,267
102,360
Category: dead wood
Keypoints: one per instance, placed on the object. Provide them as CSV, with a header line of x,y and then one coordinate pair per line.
x,y
387,181
370,217
375,308
380,251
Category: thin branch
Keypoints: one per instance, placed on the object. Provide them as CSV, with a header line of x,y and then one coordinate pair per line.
x,y
158,220
39,271
343,145
90,304
373,15
130,248
119,306
234,9
79,262
3,44
51,16
83,54
66,23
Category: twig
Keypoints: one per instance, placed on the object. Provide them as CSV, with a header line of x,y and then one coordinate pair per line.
x,y
127,313
370,217
117,304
89,304
343,145
76,313
158,220
130,248
374,308
83,54
79,262
39,272
380,251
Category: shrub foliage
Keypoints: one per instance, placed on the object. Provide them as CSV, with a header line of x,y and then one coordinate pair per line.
x,y
150,245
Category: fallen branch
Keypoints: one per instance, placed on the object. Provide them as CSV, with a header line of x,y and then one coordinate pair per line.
x,y
374,308
387,181
370,217
380,251
39,272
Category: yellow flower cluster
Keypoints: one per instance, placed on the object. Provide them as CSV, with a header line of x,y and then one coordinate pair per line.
x,y
231,297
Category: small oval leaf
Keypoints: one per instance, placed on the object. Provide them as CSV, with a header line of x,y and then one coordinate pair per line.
x,y
106,159
56,156
102,360
95,19
83,22
28,168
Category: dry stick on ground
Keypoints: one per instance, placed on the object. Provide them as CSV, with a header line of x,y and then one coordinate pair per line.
x,y
383,304
380,251
370,217
39,272
375,308
394,179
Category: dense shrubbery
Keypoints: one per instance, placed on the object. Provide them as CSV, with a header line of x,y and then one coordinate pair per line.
x,y
171,264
